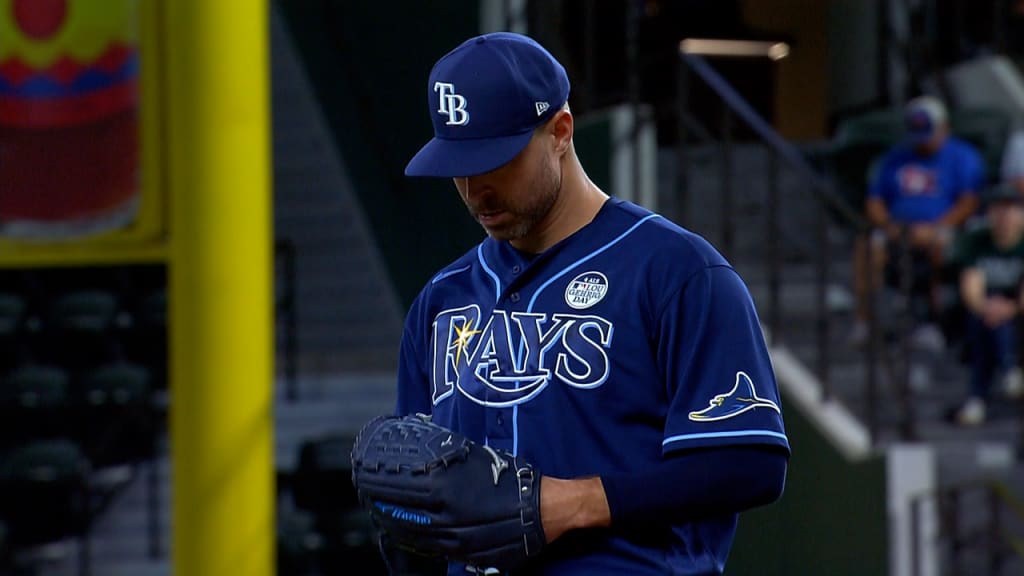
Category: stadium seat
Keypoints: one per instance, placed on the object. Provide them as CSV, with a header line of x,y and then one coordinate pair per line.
x,y
986,128
322,480
858,142
321,486
34,403
298,543
115,417
78,329
148,337
12,317
43,491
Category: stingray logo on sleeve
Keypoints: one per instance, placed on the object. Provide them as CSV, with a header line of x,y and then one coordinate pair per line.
x,y
742,398
586,290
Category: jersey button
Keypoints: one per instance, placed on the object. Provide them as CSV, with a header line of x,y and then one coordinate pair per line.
x,y
514,296
501,419
516,269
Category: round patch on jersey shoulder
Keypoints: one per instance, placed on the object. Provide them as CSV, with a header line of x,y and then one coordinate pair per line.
x,y
586,290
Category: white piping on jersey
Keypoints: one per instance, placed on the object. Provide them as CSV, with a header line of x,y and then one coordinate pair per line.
x,y
444,275
727,434
565,270
533,300
497,282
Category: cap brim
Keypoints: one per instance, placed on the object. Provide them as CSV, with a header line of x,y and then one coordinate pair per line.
x,y
459,158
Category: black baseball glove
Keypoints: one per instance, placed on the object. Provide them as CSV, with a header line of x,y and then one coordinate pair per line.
x,y
434,492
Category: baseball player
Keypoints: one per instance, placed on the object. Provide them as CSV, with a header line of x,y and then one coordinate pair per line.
x,y
616,352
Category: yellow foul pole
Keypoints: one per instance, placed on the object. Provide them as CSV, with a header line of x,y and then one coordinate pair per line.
x,y
221,370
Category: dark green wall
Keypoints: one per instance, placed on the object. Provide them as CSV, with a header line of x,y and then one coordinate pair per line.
x,y
831,520
369,62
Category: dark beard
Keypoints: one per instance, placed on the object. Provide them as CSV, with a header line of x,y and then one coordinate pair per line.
x,y
527,218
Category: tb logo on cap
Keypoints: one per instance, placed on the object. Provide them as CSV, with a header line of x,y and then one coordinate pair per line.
x,y
452,104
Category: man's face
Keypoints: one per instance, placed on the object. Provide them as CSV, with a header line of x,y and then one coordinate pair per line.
x,y
933,144
511,200
1006,219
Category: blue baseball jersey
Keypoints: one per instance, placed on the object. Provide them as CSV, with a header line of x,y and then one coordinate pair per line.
x,y
627,341
918,188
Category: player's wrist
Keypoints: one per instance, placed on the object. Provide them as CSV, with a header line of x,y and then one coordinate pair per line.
x,y
572,504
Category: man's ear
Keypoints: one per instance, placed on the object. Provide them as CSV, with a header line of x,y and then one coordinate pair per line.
x,y
562,125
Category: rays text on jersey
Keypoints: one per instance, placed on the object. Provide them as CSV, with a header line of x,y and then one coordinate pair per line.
x,y
508,357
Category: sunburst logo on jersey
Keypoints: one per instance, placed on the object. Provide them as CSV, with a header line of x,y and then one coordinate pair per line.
x,y
463,334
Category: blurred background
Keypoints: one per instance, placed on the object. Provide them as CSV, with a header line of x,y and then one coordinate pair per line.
x,y
756,123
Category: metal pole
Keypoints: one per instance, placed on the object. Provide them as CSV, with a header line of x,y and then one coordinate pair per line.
x,y
915,536
725,216
906,289
84,544
291,322
590,62
221,287
153,507
995,555
822,323
679,203
874,335
774,259
953,527
633,86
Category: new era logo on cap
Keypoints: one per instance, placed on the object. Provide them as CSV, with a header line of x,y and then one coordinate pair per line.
x,y
486,98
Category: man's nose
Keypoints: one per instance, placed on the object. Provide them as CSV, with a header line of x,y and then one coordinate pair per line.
x,y
476,186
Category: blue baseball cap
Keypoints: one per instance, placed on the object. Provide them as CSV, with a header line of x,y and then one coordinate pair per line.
x,y
486,97
924,115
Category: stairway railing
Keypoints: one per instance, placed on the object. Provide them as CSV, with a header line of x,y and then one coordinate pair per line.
x,y
991,541
830,206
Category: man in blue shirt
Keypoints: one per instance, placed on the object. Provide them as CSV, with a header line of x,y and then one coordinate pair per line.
x,y
926,188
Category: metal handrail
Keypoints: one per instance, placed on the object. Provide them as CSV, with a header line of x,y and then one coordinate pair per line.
x,y
767,134
285,313
993,537
820,186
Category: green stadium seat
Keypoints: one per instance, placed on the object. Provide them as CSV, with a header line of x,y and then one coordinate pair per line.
x,y
988,129
34,403
78,329
44,491
858,142
147,339
115,416
322,479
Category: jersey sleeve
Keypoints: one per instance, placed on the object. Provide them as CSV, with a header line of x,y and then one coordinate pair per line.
x,y
413,375
719,378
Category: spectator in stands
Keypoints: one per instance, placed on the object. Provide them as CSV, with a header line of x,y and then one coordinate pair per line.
x,y
926,187
991,260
